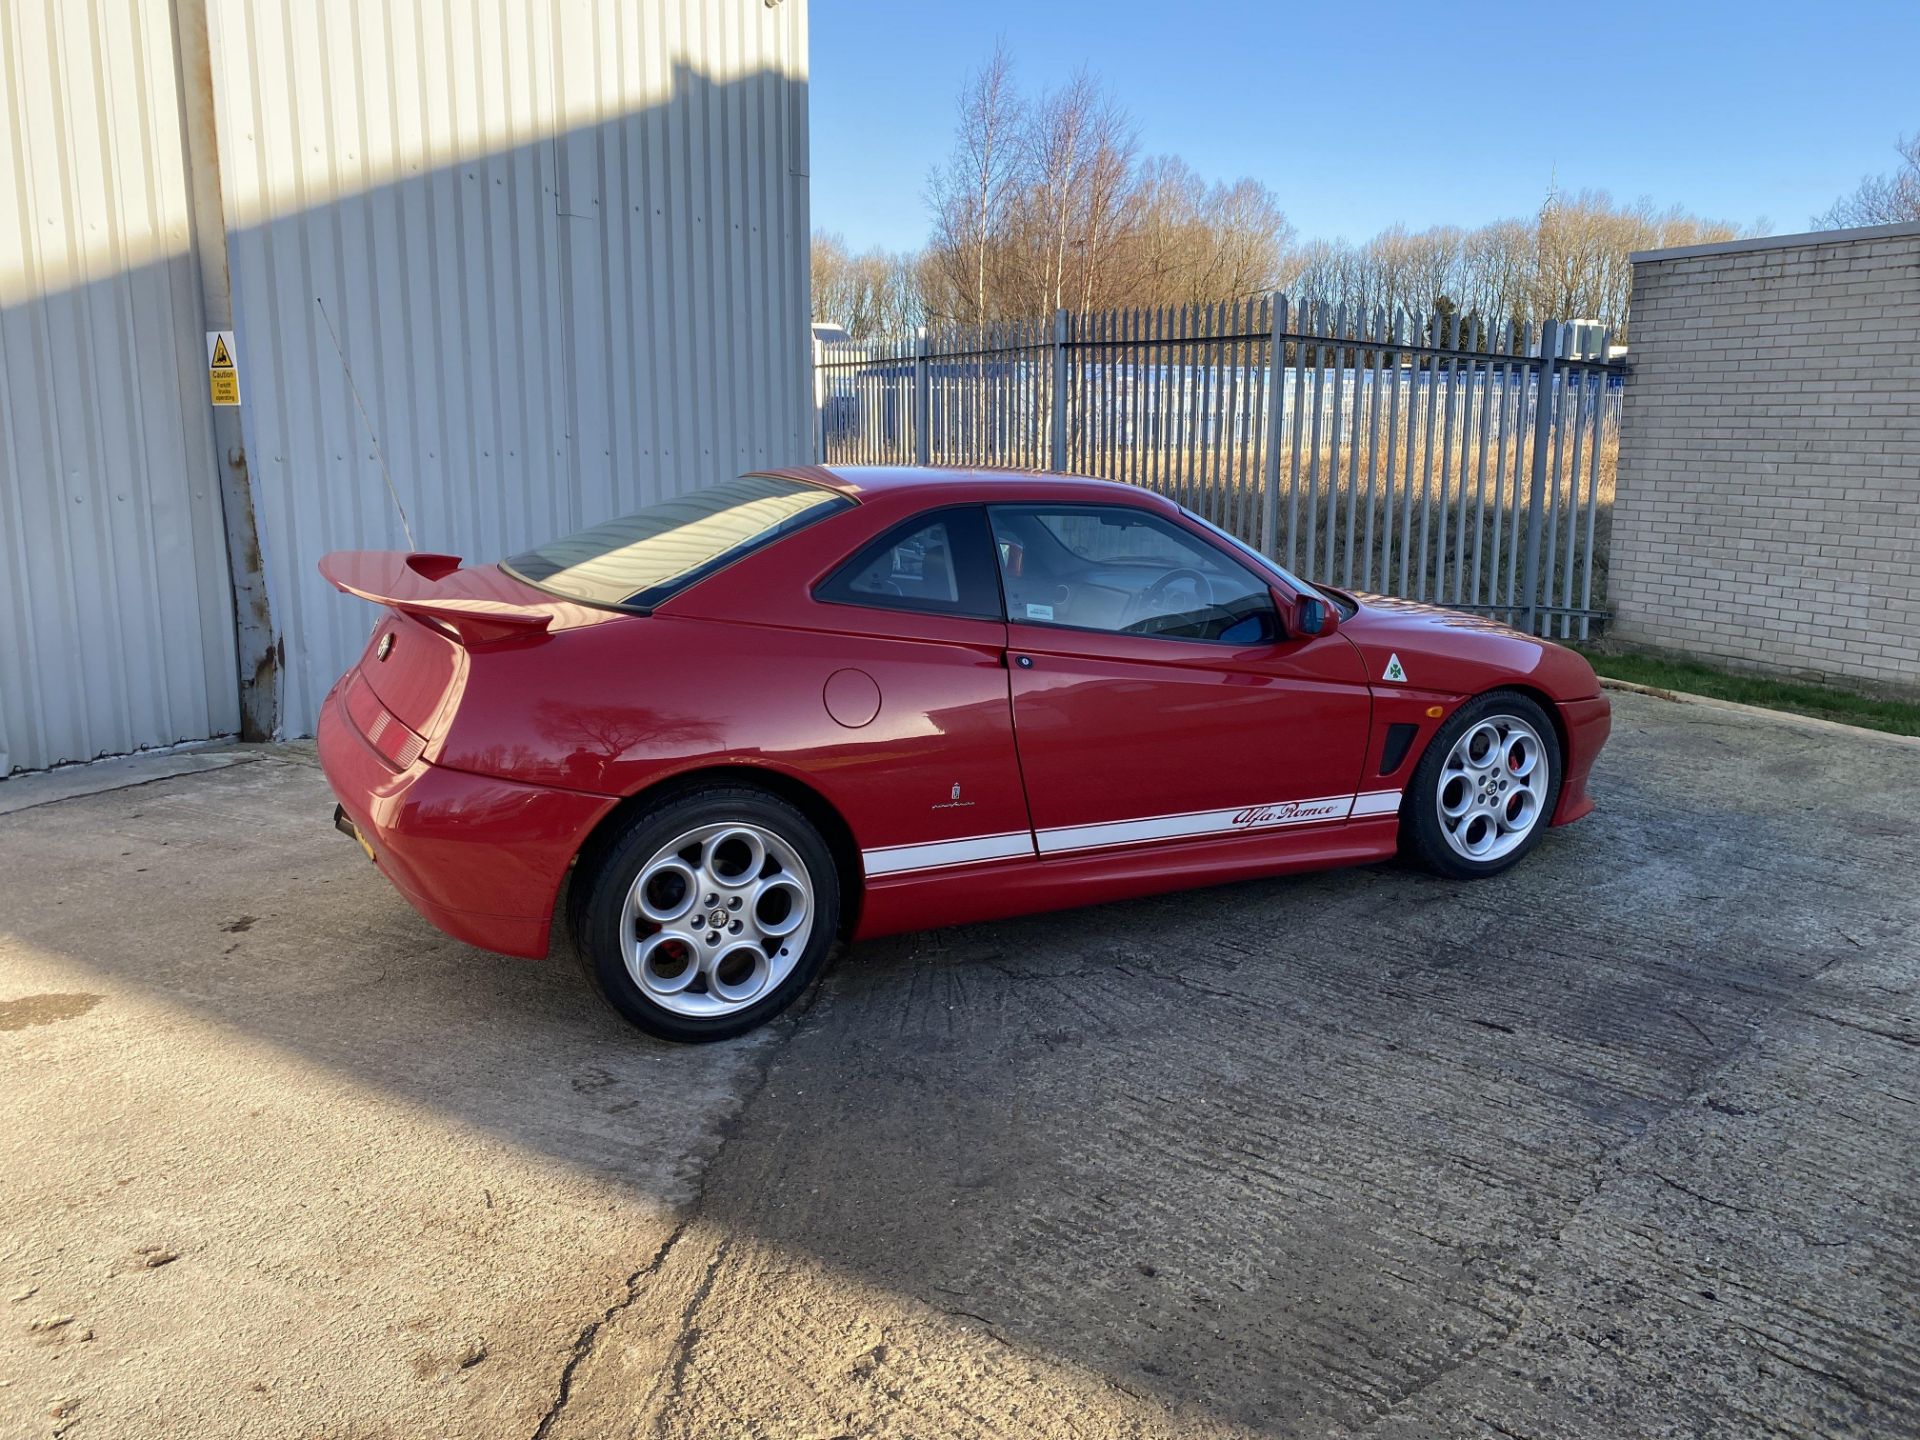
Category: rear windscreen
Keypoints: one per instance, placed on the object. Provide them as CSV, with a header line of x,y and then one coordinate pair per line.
x,y
640,559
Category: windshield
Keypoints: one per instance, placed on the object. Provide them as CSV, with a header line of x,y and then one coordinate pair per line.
x,y
1245,549
638,560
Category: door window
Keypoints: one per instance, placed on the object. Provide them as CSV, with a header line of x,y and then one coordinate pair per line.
x,y
1126,572
937,563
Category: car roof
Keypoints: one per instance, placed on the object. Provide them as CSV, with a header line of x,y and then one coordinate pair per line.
x,y
974,483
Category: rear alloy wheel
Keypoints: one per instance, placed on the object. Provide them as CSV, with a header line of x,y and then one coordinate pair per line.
x,y
710,915
1485,789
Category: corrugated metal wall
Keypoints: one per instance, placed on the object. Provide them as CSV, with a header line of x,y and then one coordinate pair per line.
x,y
118,630
564,248
563,244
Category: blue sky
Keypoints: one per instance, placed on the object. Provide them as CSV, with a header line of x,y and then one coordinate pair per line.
x,y
1363,115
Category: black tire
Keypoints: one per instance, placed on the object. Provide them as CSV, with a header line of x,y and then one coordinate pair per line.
x,y
1423,834
599,911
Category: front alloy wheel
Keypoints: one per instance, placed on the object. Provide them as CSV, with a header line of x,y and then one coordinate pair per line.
x,y
1485,789
1492,790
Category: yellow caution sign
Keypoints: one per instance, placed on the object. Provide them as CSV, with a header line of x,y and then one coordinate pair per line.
x,y
223,380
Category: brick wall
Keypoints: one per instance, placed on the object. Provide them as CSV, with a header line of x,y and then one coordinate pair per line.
x,y
1768,506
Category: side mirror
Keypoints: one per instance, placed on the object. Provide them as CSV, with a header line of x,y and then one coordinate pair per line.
x,y
1314,616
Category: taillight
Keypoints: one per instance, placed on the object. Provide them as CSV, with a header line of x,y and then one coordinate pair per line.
x,y
396,743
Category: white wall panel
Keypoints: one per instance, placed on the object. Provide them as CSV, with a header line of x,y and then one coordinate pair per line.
x,y
118,627
563,243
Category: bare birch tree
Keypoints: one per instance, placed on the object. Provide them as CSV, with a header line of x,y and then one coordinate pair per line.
x,y
970,193
1055,158
1108,199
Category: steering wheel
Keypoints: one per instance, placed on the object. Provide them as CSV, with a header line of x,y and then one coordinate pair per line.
x,y
1202,587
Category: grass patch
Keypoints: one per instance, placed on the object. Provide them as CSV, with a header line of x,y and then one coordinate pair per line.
x,y
1897,717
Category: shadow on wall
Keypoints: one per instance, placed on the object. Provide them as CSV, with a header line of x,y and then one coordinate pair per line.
x,y
542,336
113,561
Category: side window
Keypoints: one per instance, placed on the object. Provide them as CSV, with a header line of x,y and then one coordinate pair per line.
x,y
937,563
1126,571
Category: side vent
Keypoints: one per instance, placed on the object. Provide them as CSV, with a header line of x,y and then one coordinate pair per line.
x,y
1399,737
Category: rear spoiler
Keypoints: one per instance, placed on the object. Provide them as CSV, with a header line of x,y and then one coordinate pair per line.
x,y
417,585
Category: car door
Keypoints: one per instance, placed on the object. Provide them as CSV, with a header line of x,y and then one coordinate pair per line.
x,y
932,779
1155,697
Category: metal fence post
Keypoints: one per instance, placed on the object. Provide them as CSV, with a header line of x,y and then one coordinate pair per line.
x,y
819,402
922,400
1057,450
1276,385
1537,487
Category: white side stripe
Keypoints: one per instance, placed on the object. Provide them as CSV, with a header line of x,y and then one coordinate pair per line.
x,y
1017,844
1376,802
893,859
1198,822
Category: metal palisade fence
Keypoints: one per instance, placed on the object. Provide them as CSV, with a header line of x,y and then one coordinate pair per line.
x,y
1437,458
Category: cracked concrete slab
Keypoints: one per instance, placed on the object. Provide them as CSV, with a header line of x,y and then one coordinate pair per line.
x,y
400,1175
1620,1144
69,782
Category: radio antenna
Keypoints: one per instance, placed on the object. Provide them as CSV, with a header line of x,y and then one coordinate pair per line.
x,y
373,435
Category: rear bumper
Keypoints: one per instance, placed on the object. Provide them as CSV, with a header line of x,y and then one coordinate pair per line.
x,y
480,857
1586,724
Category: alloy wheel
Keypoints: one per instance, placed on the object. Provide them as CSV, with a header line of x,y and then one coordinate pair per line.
x,y
717,918
1492,790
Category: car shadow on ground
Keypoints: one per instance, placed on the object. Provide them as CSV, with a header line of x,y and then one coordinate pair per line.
x,y
1287,1154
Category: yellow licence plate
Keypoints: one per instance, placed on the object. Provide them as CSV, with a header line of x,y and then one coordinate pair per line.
x,y
347,827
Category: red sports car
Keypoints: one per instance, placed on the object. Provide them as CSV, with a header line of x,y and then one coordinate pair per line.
x,y
818,704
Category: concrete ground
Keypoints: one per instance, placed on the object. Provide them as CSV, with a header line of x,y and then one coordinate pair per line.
x,y
1624,1143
